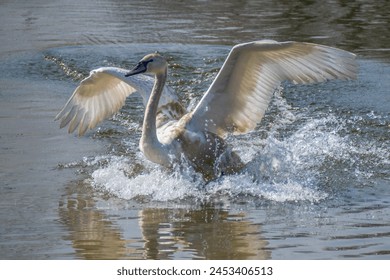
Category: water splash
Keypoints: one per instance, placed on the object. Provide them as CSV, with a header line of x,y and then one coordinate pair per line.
x,y
282,170
120,178
299,167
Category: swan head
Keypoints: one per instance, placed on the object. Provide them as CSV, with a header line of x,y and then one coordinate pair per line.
x,y
151,63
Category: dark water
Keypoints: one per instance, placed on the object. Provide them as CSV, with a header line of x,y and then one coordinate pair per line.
x,y
318,181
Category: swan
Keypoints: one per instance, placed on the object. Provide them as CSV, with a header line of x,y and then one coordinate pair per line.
x,y
234,103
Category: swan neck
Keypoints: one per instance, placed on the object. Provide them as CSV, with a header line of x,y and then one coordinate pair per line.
x,y
149,130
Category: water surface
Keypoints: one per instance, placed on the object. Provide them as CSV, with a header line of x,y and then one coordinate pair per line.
x,y
318,177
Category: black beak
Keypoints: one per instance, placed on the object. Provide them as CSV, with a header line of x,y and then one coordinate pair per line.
x,y
138,69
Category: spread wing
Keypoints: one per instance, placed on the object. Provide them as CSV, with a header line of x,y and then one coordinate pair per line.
x,y
239,96
102,94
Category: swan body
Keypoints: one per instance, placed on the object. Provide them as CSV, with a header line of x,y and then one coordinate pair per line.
x,y
235,102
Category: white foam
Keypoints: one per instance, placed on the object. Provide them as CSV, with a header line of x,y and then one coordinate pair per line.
x,y
288,168
156,184
244,185
117,178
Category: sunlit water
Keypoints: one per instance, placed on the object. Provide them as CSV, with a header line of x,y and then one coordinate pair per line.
x,y
316,183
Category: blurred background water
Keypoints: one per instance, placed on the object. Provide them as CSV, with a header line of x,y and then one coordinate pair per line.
x,y
317,186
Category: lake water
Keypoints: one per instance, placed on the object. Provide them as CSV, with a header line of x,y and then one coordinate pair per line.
x,y
318,181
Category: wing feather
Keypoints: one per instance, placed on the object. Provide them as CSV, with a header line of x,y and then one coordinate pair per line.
x,y
102,94
239,96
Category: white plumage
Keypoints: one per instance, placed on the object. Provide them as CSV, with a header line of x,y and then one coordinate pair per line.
x,y
102,94
235,102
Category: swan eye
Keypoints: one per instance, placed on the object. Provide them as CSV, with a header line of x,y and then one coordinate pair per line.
x,y
145,63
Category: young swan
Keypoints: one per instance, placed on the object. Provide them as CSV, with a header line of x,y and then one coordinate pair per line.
x,y
234,103
173,142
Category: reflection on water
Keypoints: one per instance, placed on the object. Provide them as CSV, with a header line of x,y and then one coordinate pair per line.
x,y
166,233
92,235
